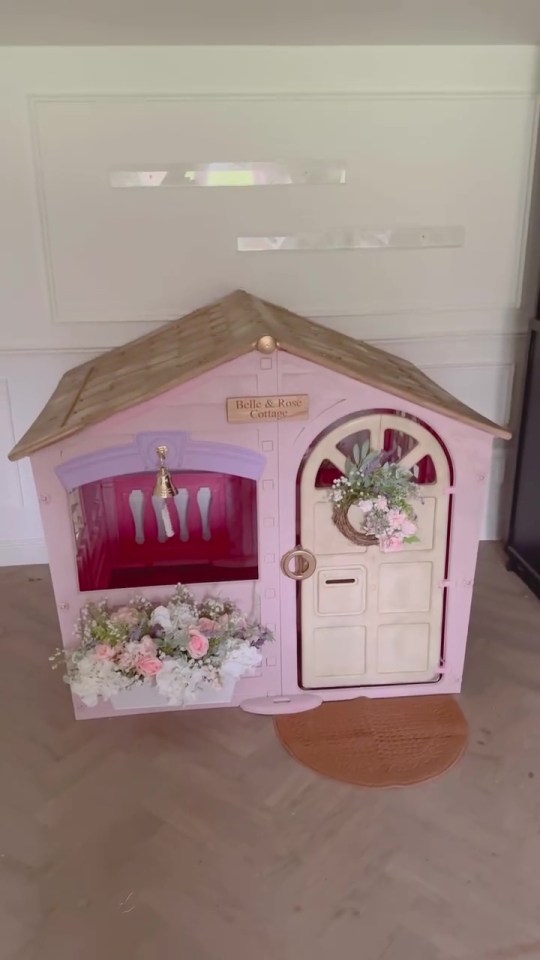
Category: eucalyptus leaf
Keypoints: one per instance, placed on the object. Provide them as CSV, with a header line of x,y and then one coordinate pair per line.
x,y
356,453
365,450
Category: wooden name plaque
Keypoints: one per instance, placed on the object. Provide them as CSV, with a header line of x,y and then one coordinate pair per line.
x,y
249,409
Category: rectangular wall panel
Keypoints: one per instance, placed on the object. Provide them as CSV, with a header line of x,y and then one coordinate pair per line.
x,y
137,254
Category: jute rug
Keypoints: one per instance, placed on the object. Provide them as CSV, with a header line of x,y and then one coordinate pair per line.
x,y
378,743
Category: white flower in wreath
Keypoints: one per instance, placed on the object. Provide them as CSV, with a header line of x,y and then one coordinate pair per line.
x,y
366,506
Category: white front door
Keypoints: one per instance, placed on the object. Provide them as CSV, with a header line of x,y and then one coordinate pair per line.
x,y
369,617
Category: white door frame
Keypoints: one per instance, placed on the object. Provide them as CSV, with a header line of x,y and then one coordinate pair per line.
x,y
367,617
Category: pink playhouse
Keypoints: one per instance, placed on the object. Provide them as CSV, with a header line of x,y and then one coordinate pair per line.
x,y
246,414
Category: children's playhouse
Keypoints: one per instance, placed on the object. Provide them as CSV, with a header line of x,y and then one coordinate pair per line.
x,y
251,413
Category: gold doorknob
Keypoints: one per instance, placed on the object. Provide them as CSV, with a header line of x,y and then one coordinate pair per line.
x,y
304,564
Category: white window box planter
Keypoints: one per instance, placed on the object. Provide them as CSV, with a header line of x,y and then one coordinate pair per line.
x,y
146,697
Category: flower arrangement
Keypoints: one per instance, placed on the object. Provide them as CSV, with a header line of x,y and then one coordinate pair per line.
x,y
181,648
382,491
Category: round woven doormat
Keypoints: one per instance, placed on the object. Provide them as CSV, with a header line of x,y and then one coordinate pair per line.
x,y
378,743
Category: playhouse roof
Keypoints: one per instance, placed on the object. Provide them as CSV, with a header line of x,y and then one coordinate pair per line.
x,y
184,349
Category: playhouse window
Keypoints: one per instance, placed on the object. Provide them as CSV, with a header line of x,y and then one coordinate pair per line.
x,y
397,444
121,540
326,474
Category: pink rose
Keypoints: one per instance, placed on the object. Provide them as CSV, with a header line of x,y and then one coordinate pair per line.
x,y
207,626
408,528
104,652
148,647
397,518
391,544
148,666
197,645
381,503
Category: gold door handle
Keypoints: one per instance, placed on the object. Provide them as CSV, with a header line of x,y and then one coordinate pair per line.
x,y
304,564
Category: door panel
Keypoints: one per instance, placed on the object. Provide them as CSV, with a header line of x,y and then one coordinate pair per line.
x,y
369,617
403,646
339,654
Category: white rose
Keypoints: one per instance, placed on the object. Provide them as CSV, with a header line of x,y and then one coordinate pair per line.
x,y
366,506
161,618
241,659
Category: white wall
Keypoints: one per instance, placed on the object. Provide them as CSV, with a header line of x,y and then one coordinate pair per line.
x,y
431,137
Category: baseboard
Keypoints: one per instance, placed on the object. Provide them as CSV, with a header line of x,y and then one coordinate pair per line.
x,y
15,553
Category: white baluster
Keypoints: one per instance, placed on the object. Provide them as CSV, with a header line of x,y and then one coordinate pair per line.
x,y
136,505
181,502
204,497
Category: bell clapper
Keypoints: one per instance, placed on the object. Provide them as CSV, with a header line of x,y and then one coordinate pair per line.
x,y
166,517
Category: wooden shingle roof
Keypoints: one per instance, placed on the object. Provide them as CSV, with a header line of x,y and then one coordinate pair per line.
x,y
201,341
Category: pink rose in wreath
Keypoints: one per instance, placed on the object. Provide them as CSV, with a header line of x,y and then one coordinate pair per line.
x,y
397,518
197,644
207,626
391,544
408,528
148,666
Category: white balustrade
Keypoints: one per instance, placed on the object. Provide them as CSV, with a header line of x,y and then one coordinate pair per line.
x,y
137,500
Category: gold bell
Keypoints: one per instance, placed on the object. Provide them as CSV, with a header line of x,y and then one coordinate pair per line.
x,y
164,488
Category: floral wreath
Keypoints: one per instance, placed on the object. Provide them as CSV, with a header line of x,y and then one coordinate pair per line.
x,y
382,491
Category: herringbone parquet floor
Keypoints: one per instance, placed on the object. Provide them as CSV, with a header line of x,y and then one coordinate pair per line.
x,y
196,837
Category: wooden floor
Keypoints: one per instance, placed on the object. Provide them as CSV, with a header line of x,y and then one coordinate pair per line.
x,y
195,837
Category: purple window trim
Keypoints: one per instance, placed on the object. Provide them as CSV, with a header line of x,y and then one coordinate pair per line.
x,y
140,456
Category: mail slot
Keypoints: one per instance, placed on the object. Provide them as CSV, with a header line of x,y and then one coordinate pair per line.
x,y
341,590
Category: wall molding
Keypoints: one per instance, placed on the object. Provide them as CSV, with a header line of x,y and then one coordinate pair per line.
x,y
248,67
16,553
11,495
301,96
529,179
502,344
